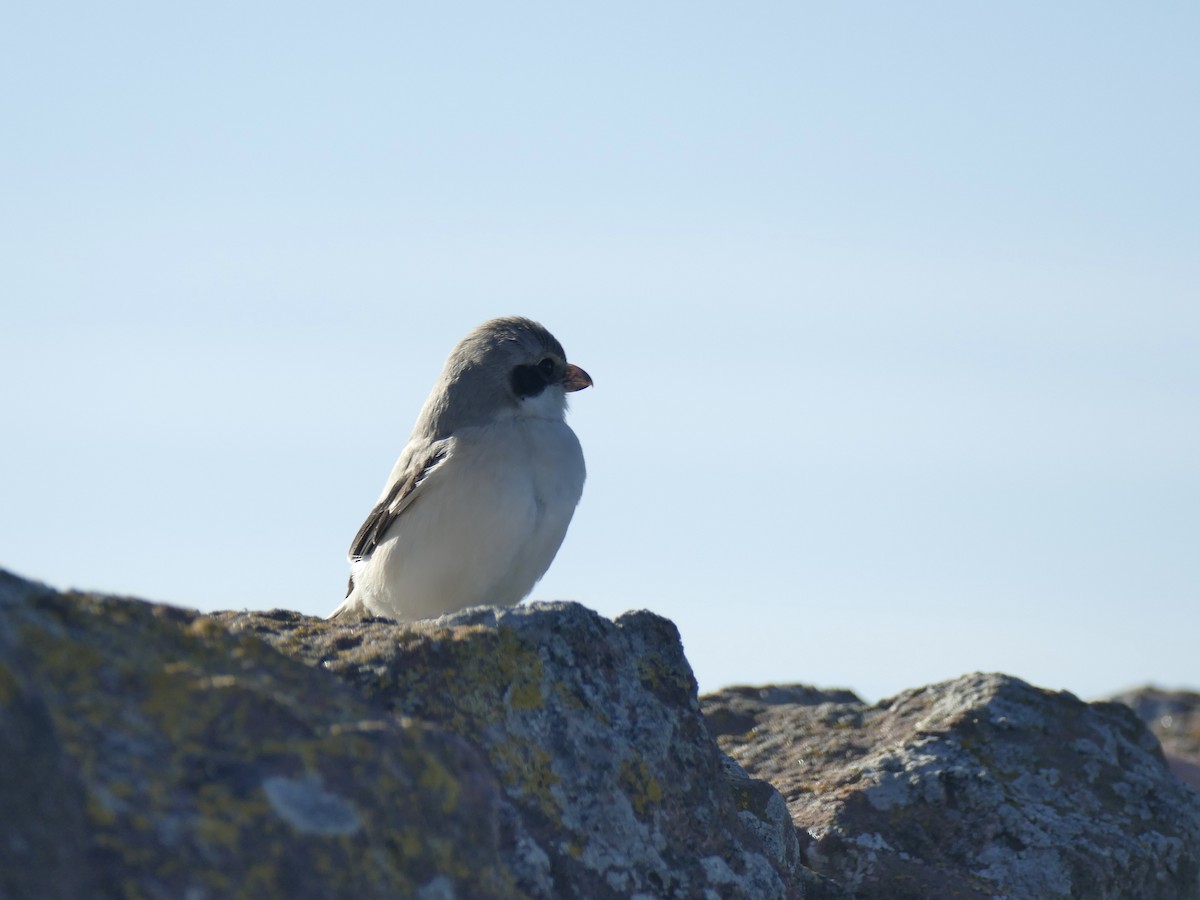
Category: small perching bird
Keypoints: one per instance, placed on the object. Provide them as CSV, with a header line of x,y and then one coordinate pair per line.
x,y
480,499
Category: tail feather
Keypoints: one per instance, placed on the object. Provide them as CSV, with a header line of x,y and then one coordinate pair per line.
x,y
352,604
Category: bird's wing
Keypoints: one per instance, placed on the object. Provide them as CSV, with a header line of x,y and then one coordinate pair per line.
x,y
400,495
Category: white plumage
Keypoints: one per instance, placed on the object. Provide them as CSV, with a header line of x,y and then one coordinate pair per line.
x,y
482,495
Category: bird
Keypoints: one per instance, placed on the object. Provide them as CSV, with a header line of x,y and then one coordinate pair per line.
x,y
480,499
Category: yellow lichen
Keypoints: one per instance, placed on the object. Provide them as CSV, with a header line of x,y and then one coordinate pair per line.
x,y
9,687
437,777
206,629
642,788
528,769
525,696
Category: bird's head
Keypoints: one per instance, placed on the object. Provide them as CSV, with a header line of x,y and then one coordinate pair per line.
x,y
506,367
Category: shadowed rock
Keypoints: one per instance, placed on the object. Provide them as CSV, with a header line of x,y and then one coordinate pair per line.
x,y
182,761
1174,717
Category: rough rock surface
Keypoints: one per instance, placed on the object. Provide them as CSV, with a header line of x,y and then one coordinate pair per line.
x,y
979,787
543,751
149,753
612,785
1174,717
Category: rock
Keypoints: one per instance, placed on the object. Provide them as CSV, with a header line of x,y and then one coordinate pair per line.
x,y
612,785
1174,717
979,787
545,752
533,752
43,831
179,761
736,710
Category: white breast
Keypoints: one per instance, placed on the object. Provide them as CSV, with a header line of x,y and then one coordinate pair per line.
x,y
486,526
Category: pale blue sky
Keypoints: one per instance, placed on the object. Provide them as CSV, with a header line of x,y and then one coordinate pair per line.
x,y
893,311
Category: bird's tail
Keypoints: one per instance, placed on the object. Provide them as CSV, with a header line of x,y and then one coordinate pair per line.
x,y
350,605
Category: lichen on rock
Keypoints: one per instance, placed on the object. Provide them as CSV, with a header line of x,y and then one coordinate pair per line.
x,y
545,751
187,761
594,731
979,787
542,751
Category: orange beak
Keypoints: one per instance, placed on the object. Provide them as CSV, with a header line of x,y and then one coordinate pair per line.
x,y
575,379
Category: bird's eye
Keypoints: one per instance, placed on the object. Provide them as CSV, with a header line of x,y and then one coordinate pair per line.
x,y
546,367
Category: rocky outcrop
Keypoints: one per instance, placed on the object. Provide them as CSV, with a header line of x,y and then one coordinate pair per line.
x,y
541,751
979,787
1174,717
612,785
150,753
